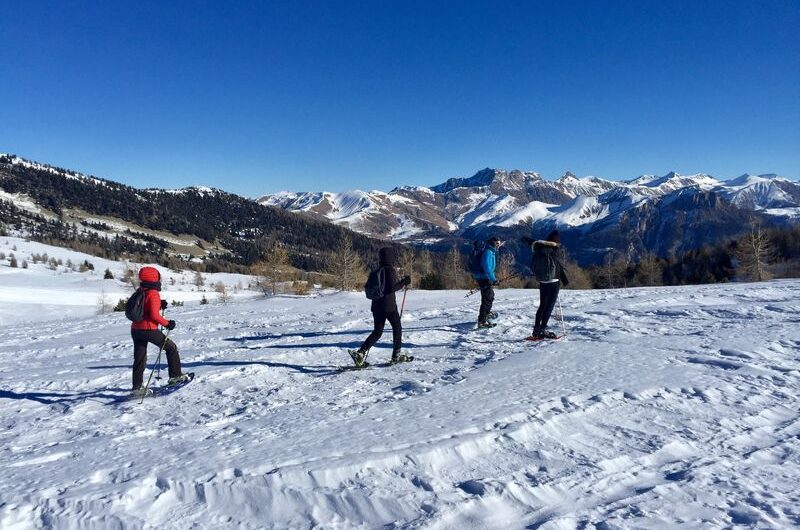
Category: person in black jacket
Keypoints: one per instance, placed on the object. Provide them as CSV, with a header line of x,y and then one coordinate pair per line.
x,y
383,309
549,270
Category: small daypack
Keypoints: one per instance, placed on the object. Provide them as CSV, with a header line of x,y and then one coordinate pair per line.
x,y
134,307
475,258
375,287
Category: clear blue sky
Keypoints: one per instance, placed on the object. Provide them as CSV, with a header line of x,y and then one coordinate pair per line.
x,y
256,97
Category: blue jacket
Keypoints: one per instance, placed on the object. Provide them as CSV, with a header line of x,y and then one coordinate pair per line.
x,y
488,262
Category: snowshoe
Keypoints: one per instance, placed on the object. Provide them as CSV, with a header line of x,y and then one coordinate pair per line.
x,y
536,335
359,358
486,325
540,338
141,392
175,383
401,358
492,315
359,361
183,378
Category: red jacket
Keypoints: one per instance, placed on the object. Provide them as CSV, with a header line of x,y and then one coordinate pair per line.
x,y
152,312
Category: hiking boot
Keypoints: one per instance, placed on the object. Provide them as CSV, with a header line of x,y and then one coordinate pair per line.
x,y
398,357
177,380
358,357
141,392
548,335
486,324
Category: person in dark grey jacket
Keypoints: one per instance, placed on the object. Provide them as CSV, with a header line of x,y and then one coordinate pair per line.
x,y
549,270
383,309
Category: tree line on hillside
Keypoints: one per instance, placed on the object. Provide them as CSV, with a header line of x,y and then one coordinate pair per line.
x,y
247,237
758,254
238,224
246,230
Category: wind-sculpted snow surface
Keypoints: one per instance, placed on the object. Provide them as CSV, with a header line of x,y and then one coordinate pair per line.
x,y
663,407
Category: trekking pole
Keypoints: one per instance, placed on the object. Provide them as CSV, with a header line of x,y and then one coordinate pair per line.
x,y
403,304
158,360
501,280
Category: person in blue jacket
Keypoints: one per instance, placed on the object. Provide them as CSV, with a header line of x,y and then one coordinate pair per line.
x,y
486,280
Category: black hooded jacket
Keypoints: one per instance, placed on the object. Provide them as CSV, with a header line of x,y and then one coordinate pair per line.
x,y
388,303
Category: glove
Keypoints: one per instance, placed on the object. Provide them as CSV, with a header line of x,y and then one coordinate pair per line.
x,y
171,325
406,280
496,282
163,304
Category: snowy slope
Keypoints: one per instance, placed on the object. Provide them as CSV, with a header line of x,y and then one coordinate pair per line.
x,y
758,192
40,293
664,407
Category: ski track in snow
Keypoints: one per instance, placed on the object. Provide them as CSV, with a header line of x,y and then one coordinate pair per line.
x,y
663,407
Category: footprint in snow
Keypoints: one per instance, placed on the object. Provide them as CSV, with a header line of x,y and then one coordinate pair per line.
x,y
410,388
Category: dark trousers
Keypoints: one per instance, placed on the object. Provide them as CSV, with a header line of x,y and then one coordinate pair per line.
x,y
141,337
380,321
548,294
487,299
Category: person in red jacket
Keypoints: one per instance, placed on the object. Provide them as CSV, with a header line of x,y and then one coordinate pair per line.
x,y
146,331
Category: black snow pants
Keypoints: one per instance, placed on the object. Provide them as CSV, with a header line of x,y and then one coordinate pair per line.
x,y
548,294
380,321
141,337
487,298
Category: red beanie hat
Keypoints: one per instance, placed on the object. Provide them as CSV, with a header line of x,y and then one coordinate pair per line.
x,y
149,274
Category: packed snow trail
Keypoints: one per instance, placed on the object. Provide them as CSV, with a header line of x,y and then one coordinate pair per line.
x,y
662,407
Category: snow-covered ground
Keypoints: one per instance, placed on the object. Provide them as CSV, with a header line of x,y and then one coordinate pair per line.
x,y
664,407
42,292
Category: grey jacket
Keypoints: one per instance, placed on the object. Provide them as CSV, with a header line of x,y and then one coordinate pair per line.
x,y
547,264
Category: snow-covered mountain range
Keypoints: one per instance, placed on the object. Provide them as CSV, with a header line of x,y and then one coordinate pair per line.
x,y
596,217
495,200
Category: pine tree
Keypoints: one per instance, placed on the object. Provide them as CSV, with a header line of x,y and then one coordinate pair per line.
x,y
108,275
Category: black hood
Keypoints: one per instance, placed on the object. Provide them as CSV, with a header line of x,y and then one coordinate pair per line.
x,y
386,256
151,285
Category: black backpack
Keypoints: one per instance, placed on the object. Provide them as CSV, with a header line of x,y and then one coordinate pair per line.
x,y
134,307
375,287
475,265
